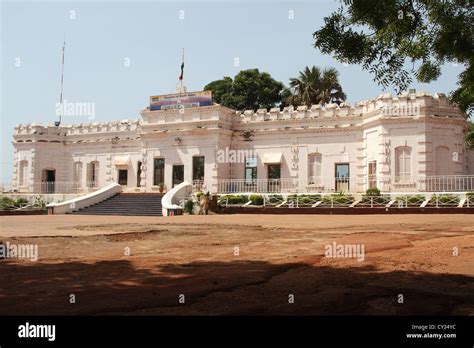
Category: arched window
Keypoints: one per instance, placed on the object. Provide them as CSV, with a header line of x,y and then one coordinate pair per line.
x,y
77,175
23,173
198,168
93,174
442,160
403,163
158,171
314,169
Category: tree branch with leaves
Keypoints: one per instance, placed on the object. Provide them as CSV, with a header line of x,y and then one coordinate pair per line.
x,y
385,36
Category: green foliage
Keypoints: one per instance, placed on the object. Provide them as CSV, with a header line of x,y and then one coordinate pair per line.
x,y
338,198
20,202
188,206
249,90
198,195
39,203
469,140
316,86
6,203
387,36
412,199
256,199
274,199
444,199
470,194
221,90
233,199
375,199
304,199
372,192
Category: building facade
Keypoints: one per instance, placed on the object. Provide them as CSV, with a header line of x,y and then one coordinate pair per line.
x,y
411,142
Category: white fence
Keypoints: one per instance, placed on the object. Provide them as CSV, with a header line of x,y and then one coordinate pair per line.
x,y
353,184
450,183
52,187
428,200
257,185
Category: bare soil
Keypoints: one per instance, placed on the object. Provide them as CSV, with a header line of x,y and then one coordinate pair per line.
x,y
239,264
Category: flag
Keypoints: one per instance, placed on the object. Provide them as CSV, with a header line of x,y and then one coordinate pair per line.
x,y
182,71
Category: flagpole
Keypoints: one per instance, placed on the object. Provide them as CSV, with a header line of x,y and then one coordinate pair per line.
x,y
182,77
62,84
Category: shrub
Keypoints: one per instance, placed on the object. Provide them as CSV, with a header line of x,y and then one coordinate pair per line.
x,y
188,206
6,203
373,195
372,192
444,199
275,199
256,199
304,200
383,199
339,198
39,202
233,199
198,195
21,201
411,199
470,194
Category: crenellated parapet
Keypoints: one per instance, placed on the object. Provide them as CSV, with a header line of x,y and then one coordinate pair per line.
x,y
77,133
403,105
81,128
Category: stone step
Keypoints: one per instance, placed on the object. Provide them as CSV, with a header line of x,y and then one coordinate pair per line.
x,y
126,204
116,214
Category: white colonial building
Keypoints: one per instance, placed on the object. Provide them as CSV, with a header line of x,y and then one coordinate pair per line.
x,y
411,142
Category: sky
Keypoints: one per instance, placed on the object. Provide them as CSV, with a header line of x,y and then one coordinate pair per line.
x,y
118,53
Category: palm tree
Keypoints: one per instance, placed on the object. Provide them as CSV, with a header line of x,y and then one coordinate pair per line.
x,y
314,86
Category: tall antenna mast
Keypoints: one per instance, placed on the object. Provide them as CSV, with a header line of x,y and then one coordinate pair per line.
x,y
62,84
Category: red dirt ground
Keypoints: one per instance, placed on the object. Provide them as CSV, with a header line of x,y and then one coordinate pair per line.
x,y
278,256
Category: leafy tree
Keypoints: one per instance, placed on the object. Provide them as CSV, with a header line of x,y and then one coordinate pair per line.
x,y
470,136
385,36
220,88
250,89
315,86
289,98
